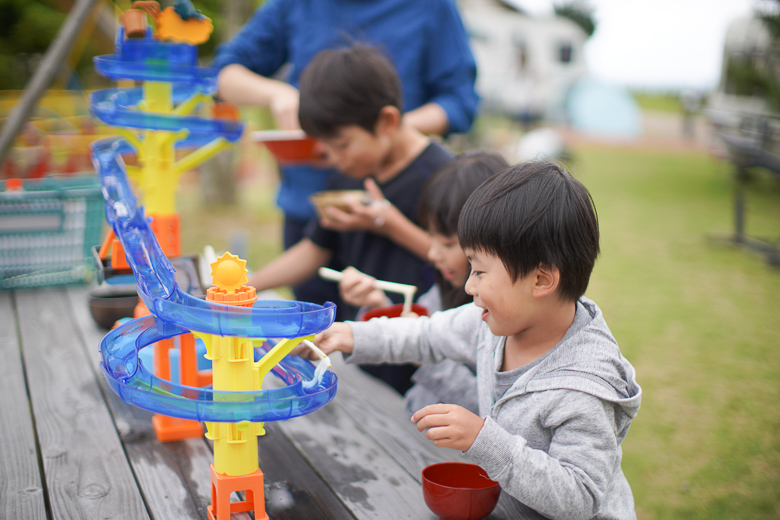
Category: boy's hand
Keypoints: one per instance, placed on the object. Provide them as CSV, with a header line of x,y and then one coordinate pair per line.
x,y
449,425
337,338
361,215
358,289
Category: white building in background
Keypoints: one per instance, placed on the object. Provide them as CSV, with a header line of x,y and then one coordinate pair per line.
x,y
747,40
526,66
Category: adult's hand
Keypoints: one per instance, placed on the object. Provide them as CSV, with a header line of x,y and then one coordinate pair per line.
x,y
284,106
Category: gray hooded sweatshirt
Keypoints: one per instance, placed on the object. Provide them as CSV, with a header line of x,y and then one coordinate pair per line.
x,y
552,439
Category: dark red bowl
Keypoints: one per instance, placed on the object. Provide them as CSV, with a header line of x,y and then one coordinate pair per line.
x,y
459,491
393,311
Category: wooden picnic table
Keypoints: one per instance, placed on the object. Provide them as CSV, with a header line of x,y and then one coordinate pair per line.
x,y
70,448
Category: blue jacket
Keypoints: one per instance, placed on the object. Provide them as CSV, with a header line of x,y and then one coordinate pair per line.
x,y
425,38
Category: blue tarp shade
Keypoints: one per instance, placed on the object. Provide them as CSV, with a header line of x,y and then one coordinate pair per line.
x,y
600,109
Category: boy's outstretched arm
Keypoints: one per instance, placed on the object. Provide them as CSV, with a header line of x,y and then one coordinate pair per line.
x,y
449,425
337,338
294,266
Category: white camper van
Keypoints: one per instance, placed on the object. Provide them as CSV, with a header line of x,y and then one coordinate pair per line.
x,y
526,66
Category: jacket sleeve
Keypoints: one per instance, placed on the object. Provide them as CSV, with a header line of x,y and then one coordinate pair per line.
x,y
570,479
451,70
261,44
451,334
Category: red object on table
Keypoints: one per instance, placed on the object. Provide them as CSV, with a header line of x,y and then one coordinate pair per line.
x,y
393,311
459,491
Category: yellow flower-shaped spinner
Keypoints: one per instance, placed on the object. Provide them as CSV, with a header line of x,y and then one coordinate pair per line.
x,y
229,273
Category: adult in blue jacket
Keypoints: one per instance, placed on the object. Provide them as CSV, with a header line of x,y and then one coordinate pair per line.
x,y
425,39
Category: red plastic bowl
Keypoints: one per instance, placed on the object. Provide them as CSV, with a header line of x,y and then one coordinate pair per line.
x,y
393,311
459,491
289,146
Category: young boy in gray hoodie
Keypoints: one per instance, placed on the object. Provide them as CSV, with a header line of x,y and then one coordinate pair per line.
x,y
556,397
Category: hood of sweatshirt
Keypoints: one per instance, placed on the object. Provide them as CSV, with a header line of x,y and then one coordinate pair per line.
x,y
588,360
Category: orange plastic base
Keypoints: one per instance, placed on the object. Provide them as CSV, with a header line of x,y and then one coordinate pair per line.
x,y
169,429
223,485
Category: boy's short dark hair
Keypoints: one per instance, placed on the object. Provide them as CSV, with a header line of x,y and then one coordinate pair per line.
x,y
345,87
535,214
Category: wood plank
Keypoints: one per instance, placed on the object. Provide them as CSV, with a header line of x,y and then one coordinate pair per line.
x,y
387,421
21,489
164,471
293,488
370,483
86,472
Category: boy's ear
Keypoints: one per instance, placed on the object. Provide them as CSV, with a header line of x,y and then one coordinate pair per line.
x,y
547,280
389,120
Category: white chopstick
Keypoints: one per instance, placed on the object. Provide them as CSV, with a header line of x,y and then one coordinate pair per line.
x,y
400,288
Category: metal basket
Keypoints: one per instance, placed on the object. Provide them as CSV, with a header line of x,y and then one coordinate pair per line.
x,y
47,230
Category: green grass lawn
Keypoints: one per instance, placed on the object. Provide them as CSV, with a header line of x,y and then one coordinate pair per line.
x,y
658,102
698,319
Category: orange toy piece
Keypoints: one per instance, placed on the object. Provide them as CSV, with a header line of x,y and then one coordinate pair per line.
x,y
170,26
223,485
134,22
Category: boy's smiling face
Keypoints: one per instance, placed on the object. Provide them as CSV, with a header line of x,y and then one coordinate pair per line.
x,y
506,305
356,152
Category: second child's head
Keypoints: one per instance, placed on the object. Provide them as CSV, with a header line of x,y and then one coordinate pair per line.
x,y
531,219
351,100
441,202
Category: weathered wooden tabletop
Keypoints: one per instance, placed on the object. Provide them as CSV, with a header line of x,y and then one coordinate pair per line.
x,y
70,448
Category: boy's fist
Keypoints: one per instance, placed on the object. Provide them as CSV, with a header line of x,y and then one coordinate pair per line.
x,y
449,425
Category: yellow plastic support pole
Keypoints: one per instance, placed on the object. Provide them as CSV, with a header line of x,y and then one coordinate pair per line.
x,y
201,155
168,139
131,136
134,172
158,97
158,180
274,356
189,106
235,444
232,362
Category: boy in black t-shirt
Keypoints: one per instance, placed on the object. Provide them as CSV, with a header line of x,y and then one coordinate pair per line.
x,y
350,99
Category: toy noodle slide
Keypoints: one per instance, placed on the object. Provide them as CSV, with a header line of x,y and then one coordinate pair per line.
x,y
174,311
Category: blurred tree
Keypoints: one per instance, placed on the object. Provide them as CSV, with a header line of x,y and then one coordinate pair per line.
x,y
758,73
579,12
27,29
29,26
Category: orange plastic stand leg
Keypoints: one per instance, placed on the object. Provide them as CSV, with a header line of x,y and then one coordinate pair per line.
x,y
223,485
166,230
172,428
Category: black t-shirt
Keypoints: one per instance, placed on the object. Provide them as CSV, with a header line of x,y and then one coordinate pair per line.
x,y
375,254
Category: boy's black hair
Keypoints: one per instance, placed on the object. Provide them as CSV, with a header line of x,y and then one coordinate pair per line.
x,y
442,200
535,214
345,87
